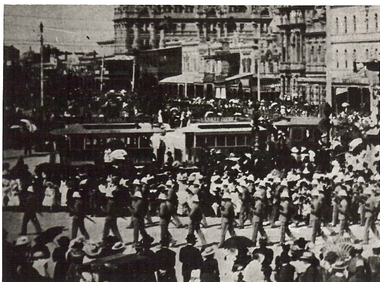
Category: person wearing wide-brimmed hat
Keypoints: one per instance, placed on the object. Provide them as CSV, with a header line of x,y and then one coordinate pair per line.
x,y
311,273
75,256
338,274
190,257
209,268
228,217
165,259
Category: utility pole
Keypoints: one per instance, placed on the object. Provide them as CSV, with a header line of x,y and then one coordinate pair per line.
x,y
42,64
101,76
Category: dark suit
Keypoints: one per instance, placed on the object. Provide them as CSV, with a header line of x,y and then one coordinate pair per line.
x,y
30,208
138,213
165,217
210,270
165,265
191,259
228,218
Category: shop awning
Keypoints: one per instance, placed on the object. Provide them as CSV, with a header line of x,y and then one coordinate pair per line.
x,y
183,78
239,76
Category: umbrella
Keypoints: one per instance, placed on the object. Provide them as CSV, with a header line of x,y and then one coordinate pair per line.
x,y
209,113
31,127
49,234
118,154
174,109
237,242
354,143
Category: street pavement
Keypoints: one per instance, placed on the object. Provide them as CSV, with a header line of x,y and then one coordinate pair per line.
x,y
12,223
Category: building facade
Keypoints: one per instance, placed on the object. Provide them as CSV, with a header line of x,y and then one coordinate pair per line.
x,y
302,31
223,47
354,41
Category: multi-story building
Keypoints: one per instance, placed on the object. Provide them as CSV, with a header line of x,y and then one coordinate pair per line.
x,y
353,41
302,70
223,47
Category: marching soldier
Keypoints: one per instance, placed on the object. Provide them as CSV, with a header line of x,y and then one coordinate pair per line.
x,y
315,215
111,211
246,200
172,202
79,213
285,215
343,209
371,207
165,216
258,216
196,216
138,213
228,217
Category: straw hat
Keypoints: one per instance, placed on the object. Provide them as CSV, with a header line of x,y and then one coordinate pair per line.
x,y
118,246
23,240
136,182
342,193
284,194
208,251
76,194
226,196
195,198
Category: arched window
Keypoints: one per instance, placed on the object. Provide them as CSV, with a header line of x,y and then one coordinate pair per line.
x,y
336,25
376,23
345,24
366,22
311,54
354,23
345,59
319,51
337,58
366,55
354,55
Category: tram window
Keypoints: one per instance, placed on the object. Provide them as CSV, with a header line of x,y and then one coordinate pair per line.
x,y
248,139
144,142
297,134
201,141
221,141
240,140
88,143
210,140
77,143
132,142
231,141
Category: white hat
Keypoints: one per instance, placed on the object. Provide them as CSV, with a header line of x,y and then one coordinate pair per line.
x,y
250,177
345,105
226,196
136,182
262,183
284,194
284,182
314,182
367,191
137,195
162,197
144,180
314,192
30,189
342,193
169,183
277,180
23,240
76,195
305,171
294,150
257,194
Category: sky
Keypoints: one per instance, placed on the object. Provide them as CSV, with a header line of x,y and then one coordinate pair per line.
x,y
68,27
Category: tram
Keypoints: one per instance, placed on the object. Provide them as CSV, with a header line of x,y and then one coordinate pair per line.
x,y
237,136
86,142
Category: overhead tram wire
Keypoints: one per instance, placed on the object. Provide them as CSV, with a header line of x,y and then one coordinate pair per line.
x,y
56,18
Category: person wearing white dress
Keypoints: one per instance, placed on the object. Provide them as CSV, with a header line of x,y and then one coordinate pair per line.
x,y
49,199
63,188
13,194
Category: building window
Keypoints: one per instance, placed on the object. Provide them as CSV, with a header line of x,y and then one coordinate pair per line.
x,y
337,59
376,23
336,25
366,22
354,55
311,53
366,55
319,53
345,59
354,23
345,24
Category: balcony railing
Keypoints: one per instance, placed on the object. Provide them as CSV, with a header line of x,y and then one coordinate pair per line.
x,y
291,66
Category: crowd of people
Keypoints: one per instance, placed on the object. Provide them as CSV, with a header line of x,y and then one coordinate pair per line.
x,y
297,193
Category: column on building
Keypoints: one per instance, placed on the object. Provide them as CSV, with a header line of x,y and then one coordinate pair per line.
x,y
127,36
152,35
300,50
136,36
225,28
218,30
204,26
199,31
162,38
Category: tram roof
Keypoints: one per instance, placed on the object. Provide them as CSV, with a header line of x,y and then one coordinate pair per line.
x,y
246,126
107,128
